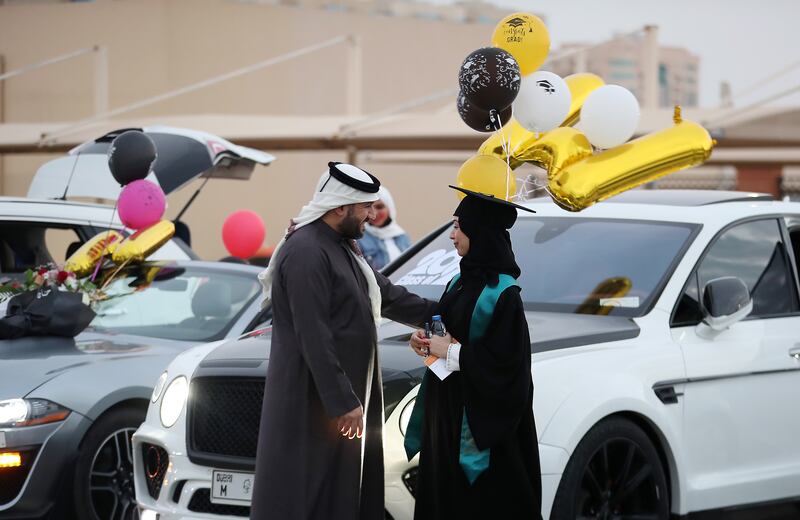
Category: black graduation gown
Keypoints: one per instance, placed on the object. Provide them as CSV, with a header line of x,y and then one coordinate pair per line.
x,y
495,387
323,363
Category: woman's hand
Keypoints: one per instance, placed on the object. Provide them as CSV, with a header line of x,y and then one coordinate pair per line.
x,y
439,345
419,343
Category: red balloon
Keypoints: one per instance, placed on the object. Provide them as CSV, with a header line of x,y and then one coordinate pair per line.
x,y
243,233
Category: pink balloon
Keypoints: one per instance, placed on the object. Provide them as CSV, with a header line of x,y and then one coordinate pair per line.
x,y
141,204
243,233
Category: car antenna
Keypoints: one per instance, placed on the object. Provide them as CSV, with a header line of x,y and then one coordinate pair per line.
x,y
71,173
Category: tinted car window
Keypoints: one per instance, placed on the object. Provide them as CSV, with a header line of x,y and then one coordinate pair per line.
x,y
573,265
753,252
187,304
26,245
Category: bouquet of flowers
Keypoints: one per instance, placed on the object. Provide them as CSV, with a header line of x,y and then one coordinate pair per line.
x,y
48,276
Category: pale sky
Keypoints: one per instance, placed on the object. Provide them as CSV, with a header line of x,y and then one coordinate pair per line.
x,y
742,42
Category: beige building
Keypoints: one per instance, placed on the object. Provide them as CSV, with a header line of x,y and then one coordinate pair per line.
x,y
151,47
621,62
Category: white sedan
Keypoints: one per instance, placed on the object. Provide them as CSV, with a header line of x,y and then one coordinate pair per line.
x,y
666,361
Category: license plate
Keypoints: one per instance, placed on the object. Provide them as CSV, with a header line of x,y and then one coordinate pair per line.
x,y
231,487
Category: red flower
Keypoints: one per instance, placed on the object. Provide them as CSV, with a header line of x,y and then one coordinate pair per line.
x,y
42,271
62,276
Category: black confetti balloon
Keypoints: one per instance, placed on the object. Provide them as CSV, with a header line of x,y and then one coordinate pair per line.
x,y
479,119
490,78
130,156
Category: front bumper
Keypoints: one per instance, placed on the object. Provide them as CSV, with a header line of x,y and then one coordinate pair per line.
x,y
55,446
185,487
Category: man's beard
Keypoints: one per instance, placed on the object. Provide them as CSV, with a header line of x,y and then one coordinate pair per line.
x,y
351,226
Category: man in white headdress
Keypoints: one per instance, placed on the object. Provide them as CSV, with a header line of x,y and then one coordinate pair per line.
x,y
320,452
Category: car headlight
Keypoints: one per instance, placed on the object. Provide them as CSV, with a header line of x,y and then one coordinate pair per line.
x,y
30,412
405,415
173,401
162,380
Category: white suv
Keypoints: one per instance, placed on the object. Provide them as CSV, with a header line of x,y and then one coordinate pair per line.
x,y
666,364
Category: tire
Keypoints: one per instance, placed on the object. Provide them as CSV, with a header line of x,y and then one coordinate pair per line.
x,y
615,473
103,484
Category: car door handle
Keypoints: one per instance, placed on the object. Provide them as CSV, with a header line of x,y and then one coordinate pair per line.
x,y
795,353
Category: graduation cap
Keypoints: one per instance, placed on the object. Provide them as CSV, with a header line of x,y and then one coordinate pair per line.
x,y
487,210
352,176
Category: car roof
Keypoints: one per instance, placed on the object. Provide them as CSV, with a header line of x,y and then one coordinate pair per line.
x,y
681,197
691,206
205,264
21,200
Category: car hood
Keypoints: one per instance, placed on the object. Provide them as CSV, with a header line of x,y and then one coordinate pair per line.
x,y
28,363
549,331
556,331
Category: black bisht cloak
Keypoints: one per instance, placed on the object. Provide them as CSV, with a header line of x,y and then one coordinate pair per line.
x,y
493,387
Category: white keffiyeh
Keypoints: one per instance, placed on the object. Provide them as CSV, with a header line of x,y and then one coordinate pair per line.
x,y
330,194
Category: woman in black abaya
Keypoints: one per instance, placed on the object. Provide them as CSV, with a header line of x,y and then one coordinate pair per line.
x,y
475,429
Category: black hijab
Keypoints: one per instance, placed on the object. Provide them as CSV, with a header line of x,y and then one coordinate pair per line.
x,y
485,221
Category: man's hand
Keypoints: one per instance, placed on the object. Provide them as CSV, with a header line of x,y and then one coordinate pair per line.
x,y
351,424
420,344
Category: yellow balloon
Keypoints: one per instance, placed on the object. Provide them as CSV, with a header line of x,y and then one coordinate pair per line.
x,y
518,138
487,174
581,184
137,247
82,262
525,37
580,86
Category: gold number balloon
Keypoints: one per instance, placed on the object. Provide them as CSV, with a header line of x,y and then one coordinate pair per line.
x,y
525,37
598,177
82,262
137,247
520,139
556,150
580,86
487,174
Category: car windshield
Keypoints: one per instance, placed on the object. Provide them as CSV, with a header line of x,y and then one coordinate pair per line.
x,y
570,265
170,302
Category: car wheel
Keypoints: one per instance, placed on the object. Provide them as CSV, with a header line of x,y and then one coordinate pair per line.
x,y
103,485
615,473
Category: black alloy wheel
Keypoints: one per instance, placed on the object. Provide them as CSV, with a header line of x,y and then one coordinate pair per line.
x,y
104,484
615,473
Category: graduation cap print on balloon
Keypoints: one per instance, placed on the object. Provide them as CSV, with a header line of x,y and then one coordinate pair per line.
x,y
489,78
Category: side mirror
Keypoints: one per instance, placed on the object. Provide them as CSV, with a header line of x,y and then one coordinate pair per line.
x,y
726,301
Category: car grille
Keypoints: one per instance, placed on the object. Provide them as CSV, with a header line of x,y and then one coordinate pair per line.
x,y
201,503
155,461
223,417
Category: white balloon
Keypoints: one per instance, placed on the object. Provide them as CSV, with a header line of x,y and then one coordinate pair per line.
x,y
609,116
543,101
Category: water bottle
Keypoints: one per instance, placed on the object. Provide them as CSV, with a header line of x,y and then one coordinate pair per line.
x,y
437,327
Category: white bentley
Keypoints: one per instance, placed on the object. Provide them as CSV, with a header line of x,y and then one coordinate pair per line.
x,y
666,365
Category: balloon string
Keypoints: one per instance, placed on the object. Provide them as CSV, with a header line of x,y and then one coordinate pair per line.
x,y
105,245
505,145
